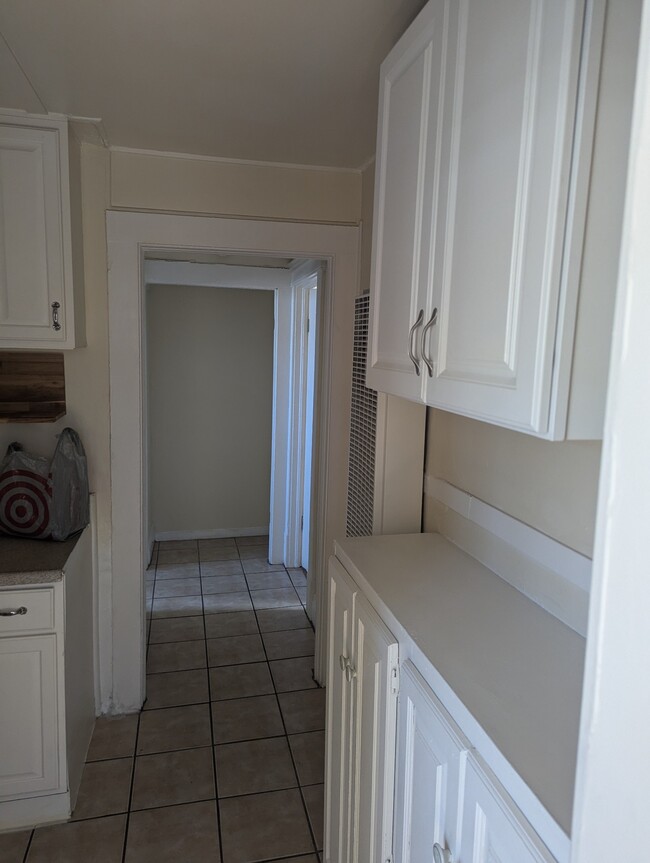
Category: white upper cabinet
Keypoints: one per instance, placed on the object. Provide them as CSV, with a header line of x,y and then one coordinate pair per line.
x,y
37,303
485,136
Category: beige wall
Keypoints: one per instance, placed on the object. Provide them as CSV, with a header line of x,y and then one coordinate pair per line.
x,y
185,184
549,485
210,404
367,205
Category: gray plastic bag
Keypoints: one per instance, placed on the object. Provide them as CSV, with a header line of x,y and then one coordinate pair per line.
x,y
43,499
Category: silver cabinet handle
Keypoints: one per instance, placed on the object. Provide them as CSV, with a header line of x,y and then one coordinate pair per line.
x,y
56,326
12,612
350,672
343,661
427,359
440,854
412,332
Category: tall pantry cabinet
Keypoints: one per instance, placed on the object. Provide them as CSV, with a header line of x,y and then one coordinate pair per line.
x,y
484,143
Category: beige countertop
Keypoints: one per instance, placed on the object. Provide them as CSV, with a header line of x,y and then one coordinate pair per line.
x,y
33,561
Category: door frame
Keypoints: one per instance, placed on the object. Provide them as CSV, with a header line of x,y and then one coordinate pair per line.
x,y
129,236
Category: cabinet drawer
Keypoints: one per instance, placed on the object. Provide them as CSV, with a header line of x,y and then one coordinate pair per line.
x,y
38,616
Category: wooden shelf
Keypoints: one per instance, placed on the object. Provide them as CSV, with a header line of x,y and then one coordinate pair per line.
x,y
32,387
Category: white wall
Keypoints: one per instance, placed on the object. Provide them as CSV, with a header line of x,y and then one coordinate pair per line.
x,y
210,384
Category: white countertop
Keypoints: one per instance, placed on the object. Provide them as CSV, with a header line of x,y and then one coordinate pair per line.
x,y
516,668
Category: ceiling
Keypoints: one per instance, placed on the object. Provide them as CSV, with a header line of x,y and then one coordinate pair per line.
x,y
293,81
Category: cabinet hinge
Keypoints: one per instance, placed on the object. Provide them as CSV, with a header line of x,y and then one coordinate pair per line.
x,y
394,679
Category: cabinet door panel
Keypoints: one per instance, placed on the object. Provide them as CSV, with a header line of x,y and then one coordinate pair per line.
x,y
339,717
28,715
31,236
375,709
512,92
428,772
493,829
408,157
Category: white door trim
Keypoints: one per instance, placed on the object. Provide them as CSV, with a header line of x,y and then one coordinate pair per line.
x,y
129,235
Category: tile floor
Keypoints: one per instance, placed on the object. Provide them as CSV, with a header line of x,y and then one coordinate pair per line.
x,y
225,762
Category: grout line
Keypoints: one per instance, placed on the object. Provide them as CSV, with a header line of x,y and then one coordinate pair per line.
x,y
286,735
128,813
212,752
29,845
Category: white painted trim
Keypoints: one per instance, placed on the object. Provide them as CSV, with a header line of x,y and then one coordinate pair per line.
x,y
560,580
226,161
215,275
612,780
34,811
216,533
130,235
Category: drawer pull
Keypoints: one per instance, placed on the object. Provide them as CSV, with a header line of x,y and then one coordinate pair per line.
x,y
343,661
56,326
350,672
412,331
440,854
12,612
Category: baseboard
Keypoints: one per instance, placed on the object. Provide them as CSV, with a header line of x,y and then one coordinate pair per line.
x,y
554,576
217,533
34,811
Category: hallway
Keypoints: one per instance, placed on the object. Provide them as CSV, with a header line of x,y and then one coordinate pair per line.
x,y
225,762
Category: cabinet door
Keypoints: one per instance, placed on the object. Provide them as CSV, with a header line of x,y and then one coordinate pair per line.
x,y
342,595
493,829
34,238
511,101
429,767
374,685
29,728
408,154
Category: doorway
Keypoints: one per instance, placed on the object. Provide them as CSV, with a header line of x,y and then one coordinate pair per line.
x,y
131,236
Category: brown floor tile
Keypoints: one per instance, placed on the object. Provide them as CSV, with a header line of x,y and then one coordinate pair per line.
x,y
178,587
178,555
174,834
246,719
113,737
240,681
258,539
99,840
223,584
176,629
309,756
219,602
235,649
177,606
165,571
290,643
174,728
219,568
298,576
275,598
293,674
173,777
301,590
14,845
266,580
177,656
176,688
277,619
105,788
254,766
303,711
230,623
258,564
308,858
315,803
208,553
264,826
176,543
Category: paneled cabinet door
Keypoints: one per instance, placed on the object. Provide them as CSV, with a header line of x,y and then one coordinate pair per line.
x,y
408,166
511,113
28,716
493,829
429,770
374,684
342,595
35,257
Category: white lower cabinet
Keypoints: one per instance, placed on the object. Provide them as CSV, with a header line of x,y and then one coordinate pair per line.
x,y
361,716
29,715
404,784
